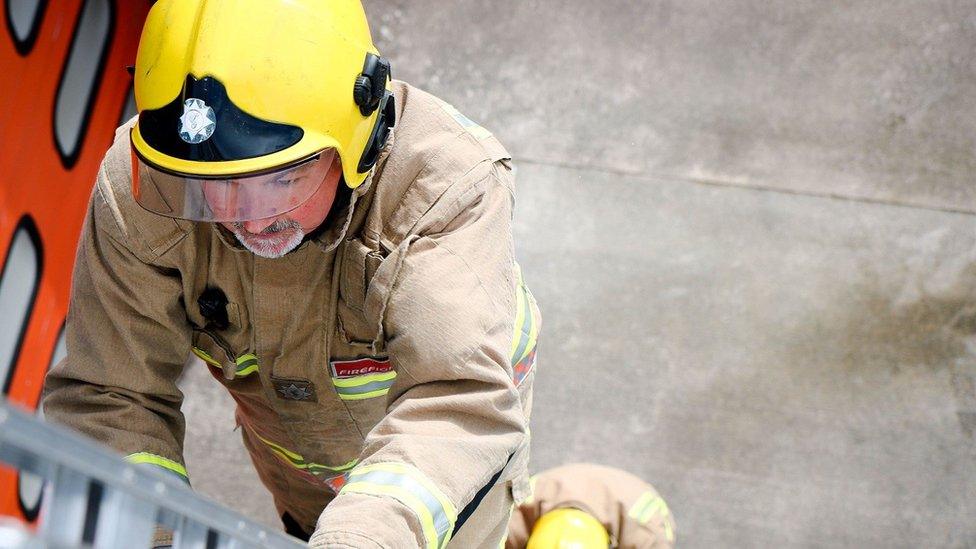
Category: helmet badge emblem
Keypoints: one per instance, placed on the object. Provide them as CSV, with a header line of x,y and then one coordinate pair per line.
x,y
198,121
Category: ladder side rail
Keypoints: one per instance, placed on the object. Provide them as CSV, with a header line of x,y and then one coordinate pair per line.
x,y
59,455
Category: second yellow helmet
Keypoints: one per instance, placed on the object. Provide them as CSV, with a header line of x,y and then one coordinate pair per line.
x,y
568,529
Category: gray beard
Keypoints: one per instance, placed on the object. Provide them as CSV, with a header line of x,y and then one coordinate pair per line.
x,y
287,235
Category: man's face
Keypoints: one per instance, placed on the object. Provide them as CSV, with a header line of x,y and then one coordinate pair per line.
x,y
273,237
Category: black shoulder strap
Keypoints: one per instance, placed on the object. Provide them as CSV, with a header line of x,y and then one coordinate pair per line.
x,y
470,508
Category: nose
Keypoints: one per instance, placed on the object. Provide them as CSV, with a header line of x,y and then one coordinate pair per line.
x,y
258,225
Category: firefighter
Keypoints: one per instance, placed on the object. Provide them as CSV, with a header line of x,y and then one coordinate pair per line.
x,y
586,506
353,288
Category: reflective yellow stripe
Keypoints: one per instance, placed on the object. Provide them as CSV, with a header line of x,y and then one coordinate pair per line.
x,y
519,319
647,506
412,488
246,365
526,329
534,329
365,386
205,357
363,380
337,469
282,454
297,461
657,506
364,396
473,128
638,507
405,497
158,461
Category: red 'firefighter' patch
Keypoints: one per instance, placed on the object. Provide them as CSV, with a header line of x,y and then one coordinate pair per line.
x,y
360,367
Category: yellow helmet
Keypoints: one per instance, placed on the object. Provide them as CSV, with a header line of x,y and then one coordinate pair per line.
x,y
568,529
228,89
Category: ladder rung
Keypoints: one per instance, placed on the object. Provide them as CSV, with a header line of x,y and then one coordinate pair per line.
x,y
124,521
65,508
190,535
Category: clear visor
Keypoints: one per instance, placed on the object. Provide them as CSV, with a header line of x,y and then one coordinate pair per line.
x,y
229,198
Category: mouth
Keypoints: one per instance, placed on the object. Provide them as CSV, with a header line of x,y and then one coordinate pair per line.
x,y
273,240
270,237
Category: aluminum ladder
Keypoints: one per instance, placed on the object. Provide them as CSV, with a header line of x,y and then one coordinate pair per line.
x,y
93,498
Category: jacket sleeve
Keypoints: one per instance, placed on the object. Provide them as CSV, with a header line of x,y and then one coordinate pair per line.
x,y
455,419
127,340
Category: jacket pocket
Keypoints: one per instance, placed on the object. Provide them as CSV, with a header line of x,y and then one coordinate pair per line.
x,y
359,264
357,334
363,385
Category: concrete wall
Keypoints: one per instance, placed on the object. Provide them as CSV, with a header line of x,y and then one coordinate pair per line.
x,y
749,227
867,99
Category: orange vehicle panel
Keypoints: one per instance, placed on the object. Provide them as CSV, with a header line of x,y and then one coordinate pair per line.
x,y
46,178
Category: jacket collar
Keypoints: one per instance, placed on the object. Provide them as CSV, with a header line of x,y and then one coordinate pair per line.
x,y
355,210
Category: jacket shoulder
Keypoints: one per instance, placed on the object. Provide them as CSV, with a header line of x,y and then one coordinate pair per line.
x,y
437,154
146,234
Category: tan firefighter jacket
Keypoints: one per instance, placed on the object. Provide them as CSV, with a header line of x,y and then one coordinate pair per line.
x,y
634,514
387,359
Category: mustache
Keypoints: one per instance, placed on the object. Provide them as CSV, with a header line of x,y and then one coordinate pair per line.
x,y
276,227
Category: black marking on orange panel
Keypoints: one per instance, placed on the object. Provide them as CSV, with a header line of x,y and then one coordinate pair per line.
x,y
31,513
27,224
25,46
69,158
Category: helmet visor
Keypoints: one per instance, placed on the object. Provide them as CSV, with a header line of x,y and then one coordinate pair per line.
x,y
229,198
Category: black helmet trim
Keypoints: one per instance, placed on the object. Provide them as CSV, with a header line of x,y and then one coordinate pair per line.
x,y
226,132
381,132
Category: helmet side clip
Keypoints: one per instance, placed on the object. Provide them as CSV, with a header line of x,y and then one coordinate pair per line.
x,y
371,84
370,94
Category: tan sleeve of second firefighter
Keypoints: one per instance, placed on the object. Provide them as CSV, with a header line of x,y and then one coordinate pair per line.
x,y
127,340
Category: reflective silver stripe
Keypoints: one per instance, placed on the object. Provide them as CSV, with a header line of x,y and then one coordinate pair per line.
x,y
409,486
367,388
